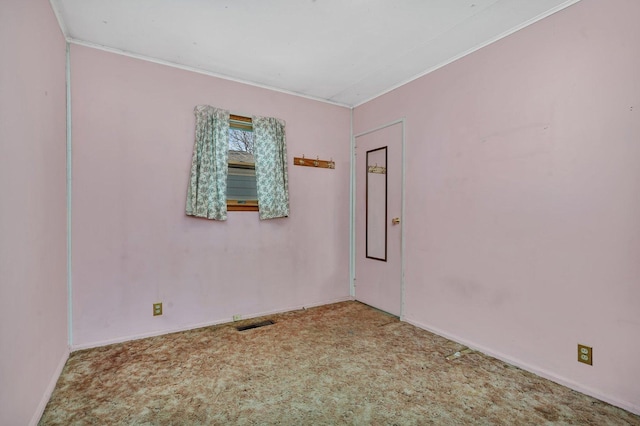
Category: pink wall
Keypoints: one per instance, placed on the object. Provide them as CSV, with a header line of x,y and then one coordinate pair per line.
x,y
523,197
33,296
133,245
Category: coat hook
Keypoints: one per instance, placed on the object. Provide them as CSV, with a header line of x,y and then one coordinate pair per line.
x,y
316,162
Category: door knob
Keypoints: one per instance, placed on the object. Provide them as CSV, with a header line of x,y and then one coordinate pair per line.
x,y
395,220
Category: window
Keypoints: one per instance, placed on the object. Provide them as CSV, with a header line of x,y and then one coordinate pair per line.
x,y
241,180
207,194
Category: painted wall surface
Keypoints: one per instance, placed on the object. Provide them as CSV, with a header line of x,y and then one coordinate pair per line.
x,y
133,245
523,197
33,296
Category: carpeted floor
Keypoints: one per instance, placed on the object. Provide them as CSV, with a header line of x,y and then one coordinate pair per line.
x,y
337,364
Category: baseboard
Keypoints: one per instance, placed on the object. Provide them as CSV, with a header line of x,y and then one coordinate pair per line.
x,y
625,405
204,324
49,390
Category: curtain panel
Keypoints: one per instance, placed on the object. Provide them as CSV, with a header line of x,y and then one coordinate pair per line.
x,y
271,167
207,192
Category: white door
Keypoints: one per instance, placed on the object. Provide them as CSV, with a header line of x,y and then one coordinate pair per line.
x,y
378,257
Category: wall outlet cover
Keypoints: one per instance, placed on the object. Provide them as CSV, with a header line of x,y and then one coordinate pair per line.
x,y
585,354
157,309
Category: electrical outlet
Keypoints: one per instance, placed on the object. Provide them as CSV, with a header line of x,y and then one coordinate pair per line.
x,y
585,354
157,309
237,317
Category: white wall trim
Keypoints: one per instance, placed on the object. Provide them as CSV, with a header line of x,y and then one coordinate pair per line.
x,y
199,71
383,126
204,324
352,212
625,405
58,15
69,160
49,390
403,221
473,49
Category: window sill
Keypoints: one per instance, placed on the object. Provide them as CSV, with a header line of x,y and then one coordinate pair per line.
x,y
244,206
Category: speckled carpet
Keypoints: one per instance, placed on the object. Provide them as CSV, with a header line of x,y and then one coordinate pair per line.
x,y
337,364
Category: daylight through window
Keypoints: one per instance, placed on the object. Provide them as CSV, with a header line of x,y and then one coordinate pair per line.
x,y
241,180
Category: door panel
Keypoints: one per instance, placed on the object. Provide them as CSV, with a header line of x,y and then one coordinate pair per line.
x,y
378,260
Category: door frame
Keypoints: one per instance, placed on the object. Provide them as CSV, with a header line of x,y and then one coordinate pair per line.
x,y
352,262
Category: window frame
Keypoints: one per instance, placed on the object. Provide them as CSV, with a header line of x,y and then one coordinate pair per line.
x,y
246,124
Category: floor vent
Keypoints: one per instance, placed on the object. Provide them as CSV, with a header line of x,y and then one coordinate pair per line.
x,y
255,325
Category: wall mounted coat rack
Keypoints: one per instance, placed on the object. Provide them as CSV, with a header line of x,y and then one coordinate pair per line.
x,y
309,162
377,169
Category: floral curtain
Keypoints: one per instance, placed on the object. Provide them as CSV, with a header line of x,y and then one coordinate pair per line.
x,y
207,192
270,154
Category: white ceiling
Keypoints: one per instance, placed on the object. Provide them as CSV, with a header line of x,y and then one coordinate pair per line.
x,y
341,51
